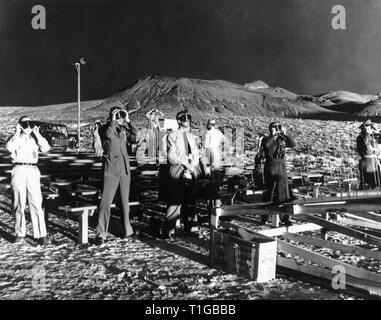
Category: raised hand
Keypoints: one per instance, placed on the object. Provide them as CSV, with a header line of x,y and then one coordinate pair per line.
x,y
18,129
113,116
36,130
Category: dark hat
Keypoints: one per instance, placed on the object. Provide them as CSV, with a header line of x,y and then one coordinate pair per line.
x,y
115,108
182,113
274,124
366,124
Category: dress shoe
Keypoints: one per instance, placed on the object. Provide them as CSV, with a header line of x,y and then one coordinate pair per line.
x,y
44,241
288,223
167,236
19,240
99,241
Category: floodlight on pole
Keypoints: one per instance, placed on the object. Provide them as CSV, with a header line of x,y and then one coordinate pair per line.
x,y
82,61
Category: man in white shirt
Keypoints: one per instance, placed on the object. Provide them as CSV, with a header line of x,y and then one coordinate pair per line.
x,y
24,146
213,141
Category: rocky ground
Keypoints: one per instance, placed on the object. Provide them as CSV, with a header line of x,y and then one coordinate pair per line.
x,y
144,268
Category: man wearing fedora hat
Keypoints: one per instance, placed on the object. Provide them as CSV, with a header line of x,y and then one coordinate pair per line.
x,y
24,146
369,166
183,157
273,150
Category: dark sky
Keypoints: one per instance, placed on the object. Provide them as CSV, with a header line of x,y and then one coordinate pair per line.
x,y
287,43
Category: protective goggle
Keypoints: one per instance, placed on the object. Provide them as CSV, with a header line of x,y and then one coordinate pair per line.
x,y
120,115
277,127
185,118
27,123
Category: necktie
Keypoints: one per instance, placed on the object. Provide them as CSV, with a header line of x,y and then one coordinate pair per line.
x,y
187,148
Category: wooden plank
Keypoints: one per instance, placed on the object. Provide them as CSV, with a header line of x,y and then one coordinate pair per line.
x,y
324,231
369,287
354,205
334,246
75,209
342,229
328,262
368,215
360,223
275,221
292,229
262,208
83,227
274,232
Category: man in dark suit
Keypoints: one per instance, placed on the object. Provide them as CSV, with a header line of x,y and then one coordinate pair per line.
x,y
369,167
273,151
115,133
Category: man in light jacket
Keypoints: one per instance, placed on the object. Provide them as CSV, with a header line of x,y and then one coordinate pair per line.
x,y
183,157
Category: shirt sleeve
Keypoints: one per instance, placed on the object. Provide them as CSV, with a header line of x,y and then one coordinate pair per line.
x,y
12,143
172,155
261,152
195,160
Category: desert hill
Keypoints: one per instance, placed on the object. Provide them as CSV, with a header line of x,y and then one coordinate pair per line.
x,y
210,97
345,101
371,109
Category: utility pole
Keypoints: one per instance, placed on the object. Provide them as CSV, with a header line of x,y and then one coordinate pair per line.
x,y
82,61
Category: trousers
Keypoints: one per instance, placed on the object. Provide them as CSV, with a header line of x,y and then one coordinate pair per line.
x,y
276,183
181,200
26,185
110,186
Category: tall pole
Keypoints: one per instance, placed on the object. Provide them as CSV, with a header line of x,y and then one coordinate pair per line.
x,y
78,66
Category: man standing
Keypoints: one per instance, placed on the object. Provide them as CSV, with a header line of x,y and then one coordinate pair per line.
x,y
368,164
24,146
272,149
213,140
116,134
97,142
183,157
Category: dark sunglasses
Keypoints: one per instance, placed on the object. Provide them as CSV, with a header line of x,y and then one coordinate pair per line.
x,y
27,123
278,128
120,114
185,118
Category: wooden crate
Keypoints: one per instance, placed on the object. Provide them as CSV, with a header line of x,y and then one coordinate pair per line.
x,y
254,259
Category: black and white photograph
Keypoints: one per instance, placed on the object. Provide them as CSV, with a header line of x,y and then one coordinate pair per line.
x,y
208,151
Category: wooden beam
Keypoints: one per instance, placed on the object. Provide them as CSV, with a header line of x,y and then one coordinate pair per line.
x,y
342,229
275,221
323,232
360,223
368,216
367,286
84,227
328,262
292,229
361,204
262,208
333,245
274,232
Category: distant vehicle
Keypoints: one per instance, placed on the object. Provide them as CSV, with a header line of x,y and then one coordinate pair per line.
x,y
57,135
